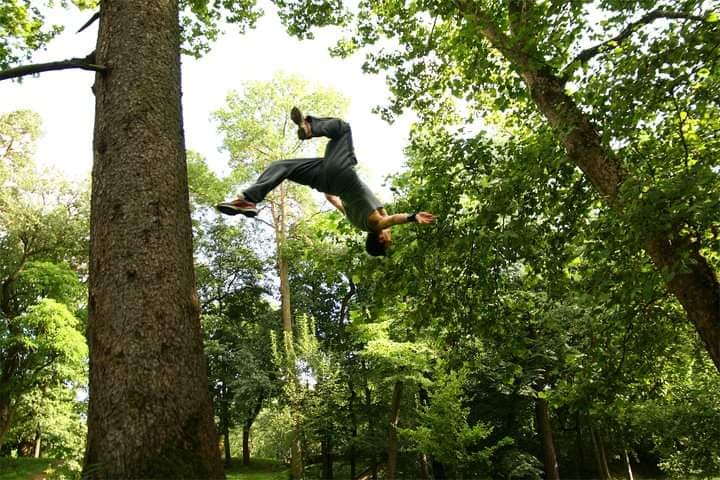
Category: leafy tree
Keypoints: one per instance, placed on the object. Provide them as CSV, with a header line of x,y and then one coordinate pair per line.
x,y
649,164
42,237
237,321
41,349
24,31
50,421
141,233
312,385
257,130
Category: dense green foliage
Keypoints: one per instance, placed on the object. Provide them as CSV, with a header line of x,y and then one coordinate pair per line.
x,y
43,353
529,315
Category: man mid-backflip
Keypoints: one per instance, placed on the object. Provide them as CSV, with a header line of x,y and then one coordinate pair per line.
x,y
335,176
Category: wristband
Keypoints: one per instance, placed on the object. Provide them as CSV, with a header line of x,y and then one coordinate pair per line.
x,y
412,217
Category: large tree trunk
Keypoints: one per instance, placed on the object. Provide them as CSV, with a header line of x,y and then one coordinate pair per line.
x,y
544,430
697,288
393,440
149,414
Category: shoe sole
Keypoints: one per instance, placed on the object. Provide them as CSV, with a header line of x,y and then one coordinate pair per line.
x,y
232,210
296,116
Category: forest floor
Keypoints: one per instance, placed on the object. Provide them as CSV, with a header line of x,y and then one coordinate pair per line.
x,y
257,470
31,469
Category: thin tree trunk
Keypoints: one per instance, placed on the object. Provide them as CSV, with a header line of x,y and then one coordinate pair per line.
x,y
38,441
371,426
393,440
279,214
225,425
226,445
246,444
629,467
693,282
600,458
247,425
353,431
285,293
296,461
5,416
424,466
438,470
544,430
580,451
327,458
279,223
149,413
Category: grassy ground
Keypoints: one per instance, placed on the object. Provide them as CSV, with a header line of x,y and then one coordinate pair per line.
x,y
257,470
44,468
27,468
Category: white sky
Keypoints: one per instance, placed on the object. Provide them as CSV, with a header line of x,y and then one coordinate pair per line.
x,y
66,104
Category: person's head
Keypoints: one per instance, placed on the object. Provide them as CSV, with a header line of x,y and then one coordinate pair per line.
x,y
378,243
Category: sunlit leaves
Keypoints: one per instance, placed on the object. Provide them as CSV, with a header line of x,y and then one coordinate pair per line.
x,y
201,20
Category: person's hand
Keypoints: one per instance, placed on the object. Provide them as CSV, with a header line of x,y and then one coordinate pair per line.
x,y
424,217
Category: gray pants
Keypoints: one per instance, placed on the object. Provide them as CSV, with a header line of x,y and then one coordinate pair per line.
x,y
327,174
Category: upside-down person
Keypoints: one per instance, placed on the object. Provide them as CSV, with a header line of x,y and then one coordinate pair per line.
x,y
335,176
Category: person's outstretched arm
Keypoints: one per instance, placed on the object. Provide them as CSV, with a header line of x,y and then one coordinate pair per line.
x,y
336,202
387,221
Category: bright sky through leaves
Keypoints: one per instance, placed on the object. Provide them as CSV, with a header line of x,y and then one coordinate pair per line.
x,y
66,104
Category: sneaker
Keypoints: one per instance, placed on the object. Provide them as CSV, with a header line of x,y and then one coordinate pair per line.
x,y
239,205
297,117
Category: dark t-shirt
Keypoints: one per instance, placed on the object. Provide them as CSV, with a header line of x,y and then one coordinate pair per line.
x,y
339,175
359,202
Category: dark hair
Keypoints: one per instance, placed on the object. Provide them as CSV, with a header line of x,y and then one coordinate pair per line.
x,y
373,246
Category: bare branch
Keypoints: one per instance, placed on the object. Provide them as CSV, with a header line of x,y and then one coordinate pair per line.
x,y
258,219
86,63
589,53
95,16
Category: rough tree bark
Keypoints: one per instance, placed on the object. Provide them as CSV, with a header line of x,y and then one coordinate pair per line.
x,y
697,289
149,414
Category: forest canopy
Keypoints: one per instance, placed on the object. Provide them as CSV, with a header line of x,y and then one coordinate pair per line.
x,y
560,320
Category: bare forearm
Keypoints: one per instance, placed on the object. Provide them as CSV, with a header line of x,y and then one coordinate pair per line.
x,y
336,202
396,219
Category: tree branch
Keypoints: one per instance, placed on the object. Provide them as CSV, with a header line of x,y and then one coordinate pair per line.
x,y
95,16
589,53
87,63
